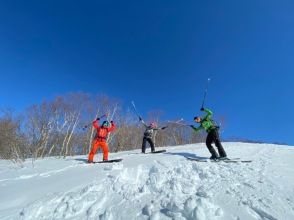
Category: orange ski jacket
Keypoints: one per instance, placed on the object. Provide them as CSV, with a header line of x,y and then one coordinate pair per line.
x,y
103,131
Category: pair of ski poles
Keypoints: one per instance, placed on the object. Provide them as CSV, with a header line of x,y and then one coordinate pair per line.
x,y
171,122
178,122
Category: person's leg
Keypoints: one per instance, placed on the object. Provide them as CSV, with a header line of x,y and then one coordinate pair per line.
x,y
209,140
144,145
93,151
105,150
218,144
151,144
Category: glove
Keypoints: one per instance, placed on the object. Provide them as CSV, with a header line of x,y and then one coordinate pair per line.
x,y
192,126
98,119
140,118
111,122
164,127
202,109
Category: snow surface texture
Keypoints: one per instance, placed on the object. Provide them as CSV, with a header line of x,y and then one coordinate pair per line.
x,y
154,186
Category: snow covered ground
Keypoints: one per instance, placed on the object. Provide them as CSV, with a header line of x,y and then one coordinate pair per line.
x,y
154,186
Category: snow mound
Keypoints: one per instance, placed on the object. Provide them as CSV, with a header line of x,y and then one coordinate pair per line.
x,y
161,186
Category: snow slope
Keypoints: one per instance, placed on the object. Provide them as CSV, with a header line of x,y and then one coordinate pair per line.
x,y
154,186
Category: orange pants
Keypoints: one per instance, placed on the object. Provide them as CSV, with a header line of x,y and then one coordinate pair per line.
x,y
96,145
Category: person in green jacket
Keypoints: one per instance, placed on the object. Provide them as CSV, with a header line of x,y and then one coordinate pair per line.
x,y
207,124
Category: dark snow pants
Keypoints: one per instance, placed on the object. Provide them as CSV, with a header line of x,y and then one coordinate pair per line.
x,y
149,140
213,137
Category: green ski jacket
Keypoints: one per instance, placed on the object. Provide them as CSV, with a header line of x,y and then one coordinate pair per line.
x,y
206,123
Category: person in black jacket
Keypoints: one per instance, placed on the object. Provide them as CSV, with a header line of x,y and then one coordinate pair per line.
x,y
148,134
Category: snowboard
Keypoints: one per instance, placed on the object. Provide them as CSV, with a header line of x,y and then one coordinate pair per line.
x,y
157,152
109,161
228,160
154,152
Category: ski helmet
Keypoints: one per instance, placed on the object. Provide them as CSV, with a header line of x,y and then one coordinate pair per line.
x,y
105,123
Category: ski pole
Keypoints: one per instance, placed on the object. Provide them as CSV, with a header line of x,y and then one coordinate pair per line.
x,y
86,126
182,124
136,111
178,122
205,92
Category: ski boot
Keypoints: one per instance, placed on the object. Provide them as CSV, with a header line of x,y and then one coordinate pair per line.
x,y
213,157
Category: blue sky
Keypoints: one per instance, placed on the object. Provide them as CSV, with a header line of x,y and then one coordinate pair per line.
x,y
159,54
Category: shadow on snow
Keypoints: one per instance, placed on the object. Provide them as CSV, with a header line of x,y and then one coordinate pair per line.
x,y
185,154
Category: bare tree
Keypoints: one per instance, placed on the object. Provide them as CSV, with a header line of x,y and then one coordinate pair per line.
x,y
57,128
12,140
129,131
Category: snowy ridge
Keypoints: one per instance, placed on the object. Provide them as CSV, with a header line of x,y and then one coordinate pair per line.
x,y
161,186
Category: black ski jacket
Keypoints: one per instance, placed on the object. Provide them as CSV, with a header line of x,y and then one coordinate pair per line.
x,y
149,130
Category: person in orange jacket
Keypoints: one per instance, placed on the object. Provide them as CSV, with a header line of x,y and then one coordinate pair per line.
x,y
100,138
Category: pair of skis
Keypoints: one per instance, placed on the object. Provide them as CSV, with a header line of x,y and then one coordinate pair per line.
x,y
154,152
178,122
87,125
225,160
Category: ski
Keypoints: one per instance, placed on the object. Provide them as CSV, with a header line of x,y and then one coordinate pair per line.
x,y
233,160
109,161
87,125
136,111
197,159
178,122
154,152
228,160
236,161
206,158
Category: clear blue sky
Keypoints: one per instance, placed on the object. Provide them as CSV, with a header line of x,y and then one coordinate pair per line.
x,y
158,53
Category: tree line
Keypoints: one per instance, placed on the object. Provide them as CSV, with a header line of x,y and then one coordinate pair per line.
x,y
62,127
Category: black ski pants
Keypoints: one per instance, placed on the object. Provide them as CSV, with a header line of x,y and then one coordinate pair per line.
x,y
213,137
149,140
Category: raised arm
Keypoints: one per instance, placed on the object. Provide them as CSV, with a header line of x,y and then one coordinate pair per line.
x,y
143,122
112,128
208,113
96,123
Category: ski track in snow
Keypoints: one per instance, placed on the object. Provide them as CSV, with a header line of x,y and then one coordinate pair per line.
x,y
44,174
167,186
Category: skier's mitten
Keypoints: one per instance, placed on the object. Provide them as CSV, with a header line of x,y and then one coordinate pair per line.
x,y
202,109
140,118
164,127
98,119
